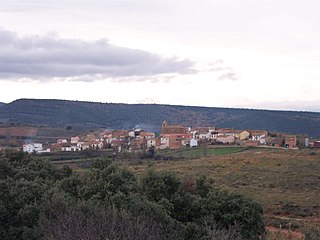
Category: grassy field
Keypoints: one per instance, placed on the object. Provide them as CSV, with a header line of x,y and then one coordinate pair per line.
x,y
286,182
195,153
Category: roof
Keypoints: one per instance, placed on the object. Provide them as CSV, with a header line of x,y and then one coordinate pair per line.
x,y
290,136
120,133
258,133
224,136
276,140
176,135
203,128
147,134
174,126
105,133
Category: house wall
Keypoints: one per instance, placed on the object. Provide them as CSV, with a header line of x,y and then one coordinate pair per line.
x,y
244,135
316,144
193,143
290,142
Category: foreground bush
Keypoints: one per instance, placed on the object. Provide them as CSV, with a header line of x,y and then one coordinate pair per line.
x,y
38,201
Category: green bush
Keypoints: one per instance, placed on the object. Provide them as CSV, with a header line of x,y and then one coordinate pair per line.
x,y
38,201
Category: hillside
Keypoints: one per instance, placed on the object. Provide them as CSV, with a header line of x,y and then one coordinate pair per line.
x,y
61,113
285,183
1,104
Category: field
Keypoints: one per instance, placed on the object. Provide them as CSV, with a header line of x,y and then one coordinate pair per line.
x,y
286,182
195,153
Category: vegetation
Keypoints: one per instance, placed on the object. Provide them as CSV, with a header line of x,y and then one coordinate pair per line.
x,y
57,113
285,182
195,153
38,201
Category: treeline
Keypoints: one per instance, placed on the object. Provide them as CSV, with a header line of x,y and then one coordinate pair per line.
x,y
38,201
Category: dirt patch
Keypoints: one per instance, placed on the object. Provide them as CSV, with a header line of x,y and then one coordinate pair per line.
x,y
277,233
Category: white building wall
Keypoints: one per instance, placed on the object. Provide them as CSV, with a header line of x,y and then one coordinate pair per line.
x,y
193,142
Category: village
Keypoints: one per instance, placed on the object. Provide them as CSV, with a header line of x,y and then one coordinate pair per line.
x,y
171,137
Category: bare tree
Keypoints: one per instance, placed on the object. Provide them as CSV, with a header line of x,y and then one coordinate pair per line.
x,y
216,232
107,224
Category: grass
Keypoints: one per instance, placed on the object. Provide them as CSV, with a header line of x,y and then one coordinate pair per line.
x,y
286,182
193,153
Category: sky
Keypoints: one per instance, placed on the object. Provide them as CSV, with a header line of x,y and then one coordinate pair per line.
x,y
219,53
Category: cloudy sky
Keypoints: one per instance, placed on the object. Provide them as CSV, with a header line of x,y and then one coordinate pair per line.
x,y
221,53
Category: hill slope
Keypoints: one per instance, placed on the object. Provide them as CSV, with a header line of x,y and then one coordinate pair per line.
x,y
61,113
1,104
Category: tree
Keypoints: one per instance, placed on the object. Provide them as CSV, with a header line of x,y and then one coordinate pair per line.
x,y
156,186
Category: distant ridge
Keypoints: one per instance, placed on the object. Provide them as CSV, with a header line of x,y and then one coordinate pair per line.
x,y
61,113
1,104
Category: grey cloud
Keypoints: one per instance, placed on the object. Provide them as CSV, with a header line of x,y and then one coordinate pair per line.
x,y
47,57
224,72
232,76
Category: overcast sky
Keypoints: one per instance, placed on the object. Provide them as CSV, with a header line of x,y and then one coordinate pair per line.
x,y
222,53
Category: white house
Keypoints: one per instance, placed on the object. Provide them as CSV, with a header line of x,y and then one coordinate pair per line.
x,y
164,143
193,142
151,142
259,136
131,134
32,147
66,149
97,145
48,150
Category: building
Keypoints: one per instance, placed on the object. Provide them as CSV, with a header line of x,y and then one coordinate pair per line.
x,y
193,142
120,134
225,139
174,143
316,144
244,135
90,137
61,141
202,132
153,142
147,135
164,142
276,142
258,135
32,147
137,144
290,141
75,140
173,129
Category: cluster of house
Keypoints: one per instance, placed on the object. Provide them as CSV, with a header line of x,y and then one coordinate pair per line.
x,y
179,136
170,137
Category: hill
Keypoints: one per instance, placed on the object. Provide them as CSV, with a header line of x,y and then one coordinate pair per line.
x,y
1,104
62,113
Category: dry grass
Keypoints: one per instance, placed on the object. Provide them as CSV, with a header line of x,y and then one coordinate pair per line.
x,y
286,182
